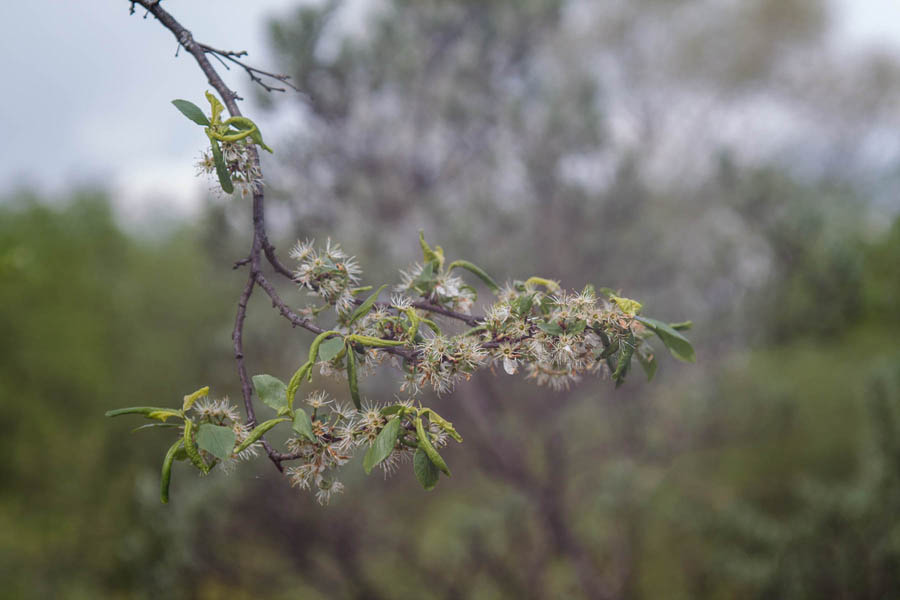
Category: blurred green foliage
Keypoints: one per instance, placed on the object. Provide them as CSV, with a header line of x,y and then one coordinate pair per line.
x,y
91,318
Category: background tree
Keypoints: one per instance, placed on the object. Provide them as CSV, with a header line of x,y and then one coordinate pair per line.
x,y
656,180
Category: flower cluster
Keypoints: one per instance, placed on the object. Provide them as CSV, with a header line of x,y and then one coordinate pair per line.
x,y
442,288
556,337
239,162
327,272
223,413
337,431
443,361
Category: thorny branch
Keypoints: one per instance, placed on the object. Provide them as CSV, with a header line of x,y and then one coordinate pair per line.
x,y
260,245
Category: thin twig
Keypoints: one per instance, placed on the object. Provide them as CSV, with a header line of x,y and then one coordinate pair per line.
x,y
256,75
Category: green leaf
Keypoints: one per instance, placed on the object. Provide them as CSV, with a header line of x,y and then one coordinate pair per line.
x,y
191,398
215,106
295,383
221,168
625,355
303,425
576,327
191,111
256,136
393,409
648,362
431,257
330,348
314,347
683,326
425,444
167,470
547,283
153,425
215,439
137,410
258,432
677,344
162,415
272,391
477,271
550,327
364,308
368,340
611,349
426,471
383,445
627,305
425,281
443,424
352,377
522,305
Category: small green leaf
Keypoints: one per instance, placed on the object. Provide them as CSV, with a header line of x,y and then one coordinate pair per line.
x,y
383,445
191,111
611,349
474,330
191,449
576,327
162,415
368,340
431,257
136,410
393,409
352,377
216,439
167,470
314,347
443,424
426,471
649,364
221,168
522,305
271,390
153,425
425,444
330,348
625,354
477,271
258,432
256,136
432,325
295,383
547,283
364,308
550,327
242,123
677,344
424,283
627,305
215,106
303,425
191,398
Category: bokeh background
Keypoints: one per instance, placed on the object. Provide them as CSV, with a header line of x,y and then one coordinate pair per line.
x,y
731,162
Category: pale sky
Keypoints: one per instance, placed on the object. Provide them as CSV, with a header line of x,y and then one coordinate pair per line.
x,y
88,90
